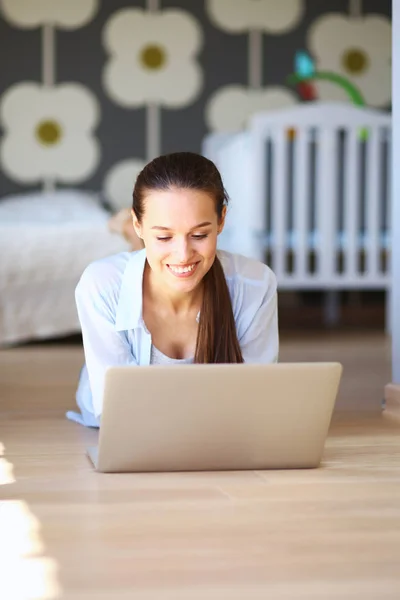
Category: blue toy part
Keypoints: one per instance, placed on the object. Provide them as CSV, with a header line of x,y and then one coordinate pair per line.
x,y
304,64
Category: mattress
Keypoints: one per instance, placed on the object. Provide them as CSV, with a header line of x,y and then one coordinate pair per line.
x,y
46,241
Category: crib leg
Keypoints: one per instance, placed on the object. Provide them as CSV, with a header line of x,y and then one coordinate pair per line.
x,y
331,308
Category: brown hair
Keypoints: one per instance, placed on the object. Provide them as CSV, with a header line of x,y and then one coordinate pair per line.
x,y
217,340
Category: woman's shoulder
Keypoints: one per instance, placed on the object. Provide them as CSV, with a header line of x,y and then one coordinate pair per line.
x,y
252,285
245,270
105,274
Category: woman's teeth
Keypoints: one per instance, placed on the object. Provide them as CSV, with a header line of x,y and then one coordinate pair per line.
x,y
182,269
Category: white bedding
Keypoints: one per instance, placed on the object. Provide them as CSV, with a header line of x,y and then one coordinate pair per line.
x,y
46,241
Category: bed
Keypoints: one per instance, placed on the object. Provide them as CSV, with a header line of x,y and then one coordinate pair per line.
x,y
46,241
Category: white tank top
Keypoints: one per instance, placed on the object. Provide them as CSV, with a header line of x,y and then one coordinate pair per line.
x,y
158,358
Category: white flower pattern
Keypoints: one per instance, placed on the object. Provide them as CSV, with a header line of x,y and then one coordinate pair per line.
x,y
230,107
66,14
119,183
152,58
49,132
358,49
270,16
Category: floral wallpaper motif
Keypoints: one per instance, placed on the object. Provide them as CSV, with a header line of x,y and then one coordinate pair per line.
x,y
269,16
157,63
156,67
90,90
48,129
67,14
48,132
361,53
118,183
229,107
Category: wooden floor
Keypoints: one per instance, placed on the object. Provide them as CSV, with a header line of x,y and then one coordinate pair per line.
x,y
68,532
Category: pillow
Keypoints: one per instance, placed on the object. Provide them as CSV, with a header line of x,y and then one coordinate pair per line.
x,y
57,207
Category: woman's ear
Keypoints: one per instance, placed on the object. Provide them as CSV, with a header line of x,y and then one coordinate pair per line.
x,y
221,222
136,225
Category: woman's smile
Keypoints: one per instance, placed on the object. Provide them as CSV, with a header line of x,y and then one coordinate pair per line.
x,y
183,271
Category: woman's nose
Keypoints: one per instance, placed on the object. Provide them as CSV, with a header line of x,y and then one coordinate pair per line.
x,y
182,250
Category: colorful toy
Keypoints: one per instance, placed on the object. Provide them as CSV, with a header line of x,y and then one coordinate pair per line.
x,y
305,73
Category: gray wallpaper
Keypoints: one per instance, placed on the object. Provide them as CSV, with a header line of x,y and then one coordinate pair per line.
x,y
82,138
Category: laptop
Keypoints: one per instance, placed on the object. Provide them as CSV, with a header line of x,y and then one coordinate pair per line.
x,y
211,417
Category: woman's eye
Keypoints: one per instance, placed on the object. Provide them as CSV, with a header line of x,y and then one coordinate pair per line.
x,y
200,236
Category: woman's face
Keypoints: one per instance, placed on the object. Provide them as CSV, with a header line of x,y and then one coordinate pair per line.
x,y
179,230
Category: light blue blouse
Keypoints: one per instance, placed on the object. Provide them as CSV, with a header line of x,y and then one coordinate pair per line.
x,y
109,303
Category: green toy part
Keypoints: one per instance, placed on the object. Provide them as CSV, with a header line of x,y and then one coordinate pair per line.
x,y
351,89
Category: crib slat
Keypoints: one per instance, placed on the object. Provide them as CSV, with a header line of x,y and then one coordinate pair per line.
x,y
233,168
374,166
351,195
326,203
301,204
386,268
388,199
279,201
254,197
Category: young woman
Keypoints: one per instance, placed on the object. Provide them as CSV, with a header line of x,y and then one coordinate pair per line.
x,y
178,300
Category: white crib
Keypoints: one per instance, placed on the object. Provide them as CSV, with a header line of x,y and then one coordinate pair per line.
x,y
310,195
